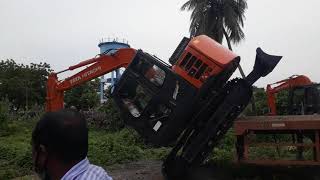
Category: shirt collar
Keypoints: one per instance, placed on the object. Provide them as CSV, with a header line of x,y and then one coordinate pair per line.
x,y
77,169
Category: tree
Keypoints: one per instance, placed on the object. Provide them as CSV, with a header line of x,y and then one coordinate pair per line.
x,y
282,102
4,113
218,19
84,96
23,85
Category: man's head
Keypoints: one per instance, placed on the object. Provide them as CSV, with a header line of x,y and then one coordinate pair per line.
x,y
59,139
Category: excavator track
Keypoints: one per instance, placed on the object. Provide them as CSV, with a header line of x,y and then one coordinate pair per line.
x,y
214,117
208,126
237,95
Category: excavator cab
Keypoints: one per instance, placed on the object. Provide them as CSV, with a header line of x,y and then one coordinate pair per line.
x,y
158,100
304,100
303,96
153,99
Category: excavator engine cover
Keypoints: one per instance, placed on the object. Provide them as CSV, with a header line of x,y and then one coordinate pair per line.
x,y
202,58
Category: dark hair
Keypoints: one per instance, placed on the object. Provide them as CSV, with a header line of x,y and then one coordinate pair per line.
x,y
64,134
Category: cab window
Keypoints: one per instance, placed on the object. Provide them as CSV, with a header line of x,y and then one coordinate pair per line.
x,y
135,99
155,75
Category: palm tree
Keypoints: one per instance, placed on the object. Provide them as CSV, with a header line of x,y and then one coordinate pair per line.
x,y
218,19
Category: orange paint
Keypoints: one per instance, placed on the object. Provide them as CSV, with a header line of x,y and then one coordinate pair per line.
x,y
210,53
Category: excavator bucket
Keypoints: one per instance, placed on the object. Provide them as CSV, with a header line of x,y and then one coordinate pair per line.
x,y
264,64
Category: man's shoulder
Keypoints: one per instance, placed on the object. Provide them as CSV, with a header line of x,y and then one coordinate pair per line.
x,y
95,172
84,170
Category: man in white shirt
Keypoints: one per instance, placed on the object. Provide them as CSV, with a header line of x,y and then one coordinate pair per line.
x,y
60,147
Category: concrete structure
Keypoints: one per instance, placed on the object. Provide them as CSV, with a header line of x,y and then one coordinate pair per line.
x,y
108,46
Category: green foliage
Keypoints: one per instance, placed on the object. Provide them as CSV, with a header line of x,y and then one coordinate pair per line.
x,y
105,148
15,151
282,101
84,96
217,18
23,85
225,150
114,148
260,100
120,147
111,119
4,116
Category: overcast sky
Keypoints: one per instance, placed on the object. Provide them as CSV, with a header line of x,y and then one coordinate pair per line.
x,y
64,32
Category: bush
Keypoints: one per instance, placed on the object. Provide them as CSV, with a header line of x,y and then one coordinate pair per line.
x,y
120,147
225,151
15,151
4,117
15,162
110,148
107,117
105,148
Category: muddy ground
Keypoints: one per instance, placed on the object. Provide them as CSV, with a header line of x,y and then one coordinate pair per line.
x,y
142,170
151,170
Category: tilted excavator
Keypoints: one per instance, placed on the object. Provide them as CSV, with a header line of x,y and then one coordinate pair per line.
x,y
189,104
304,97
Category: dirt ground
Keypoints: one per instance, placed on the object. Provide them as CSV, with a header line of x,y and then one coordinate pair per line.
x,y
151,170
142,170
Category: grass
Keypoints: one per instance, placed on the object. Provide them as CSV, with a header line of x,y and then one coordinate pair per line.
x,y
15,151
105,148
108,148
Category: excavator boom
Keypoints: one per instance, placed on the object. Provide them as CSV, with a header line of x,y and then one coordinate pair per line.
x,y
97,67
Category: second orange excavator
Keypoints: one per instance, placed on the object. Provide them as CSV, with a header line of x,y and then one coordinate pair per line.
x,y
303,95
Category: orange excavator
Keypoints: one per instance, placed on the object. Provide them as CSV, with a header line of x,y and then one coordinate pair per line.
x,y
303,95
189,104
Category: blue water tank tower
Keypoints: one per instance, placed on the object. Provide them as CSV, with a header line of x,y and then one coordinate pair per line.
x,y
109,46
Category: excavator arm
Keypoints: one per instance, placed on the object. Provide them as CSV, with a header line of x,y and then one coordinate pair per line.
x,y
289,83
96,67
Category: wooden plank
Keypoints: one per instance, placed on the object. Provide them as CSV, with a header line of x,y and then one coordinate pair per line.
x,y
283,144
314,117
263,123
280,162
